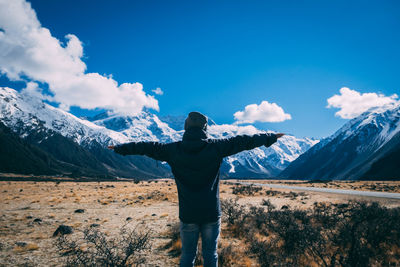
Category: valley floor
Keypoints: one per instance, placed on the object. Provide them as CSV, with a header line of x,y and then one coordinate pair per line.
x,y
31,211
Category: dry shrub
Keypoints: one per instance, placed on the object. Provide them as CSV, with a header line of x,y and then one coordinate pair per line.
x,y
232,210
350,234
231,255
155,195
268,204
94,248
246,190
175,244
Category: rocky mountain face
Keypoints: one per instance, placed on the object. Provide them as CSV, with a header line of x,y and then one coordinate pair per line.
x,y
257,163
80,143
16,155
367,147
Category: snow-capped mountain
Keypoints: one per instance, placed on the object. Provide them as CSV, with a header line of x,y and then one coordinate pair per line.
x,y
259,162
353,150
24,113
143,127
28,115
76,145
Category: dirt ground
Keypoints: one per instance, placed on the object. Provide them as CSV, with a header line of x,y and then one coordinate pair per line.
x,y
31,211
378,186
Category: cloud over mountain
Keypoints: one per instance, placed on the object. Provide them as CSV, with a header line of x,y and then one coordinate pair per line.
x,y
352,103
29,52
265,112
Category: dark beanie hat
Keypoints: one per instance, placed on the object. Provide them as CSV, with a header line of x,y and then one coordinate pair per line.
x,y
196,119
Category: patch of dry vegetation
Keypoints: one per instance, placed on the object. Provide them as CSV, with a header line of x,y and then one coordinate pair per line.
x,y
378,186
95,248
350,234
32,211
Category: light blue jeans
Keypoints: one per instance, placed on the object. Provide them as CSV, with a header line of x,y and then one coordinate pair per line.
x,y
209,242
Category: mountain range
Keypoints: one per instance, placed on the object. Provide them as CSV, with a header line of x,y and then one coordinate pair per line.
x,y
38,138
57,142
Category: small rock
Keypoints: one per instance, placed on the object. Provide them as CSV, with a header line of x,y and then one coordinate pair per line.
x,y
129,218
21,190
140,197
284,207
29,217
21,244
95,225
63,230
79,211
153,214
37,220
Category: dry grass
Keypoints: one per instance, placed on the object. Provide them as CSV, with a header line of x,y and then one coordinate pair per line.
x,y
379,186
26,248
113,204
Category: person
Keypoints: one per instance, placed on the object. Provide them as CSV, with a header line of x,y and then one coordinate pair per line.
x,y
195,162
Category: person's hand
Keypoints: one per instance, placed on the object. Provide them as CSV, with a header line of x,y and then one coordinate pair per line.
x,y
279,135
111,147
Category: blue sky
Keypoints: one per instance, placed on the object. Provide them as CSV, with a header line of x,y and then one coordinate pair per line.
x,y
218,58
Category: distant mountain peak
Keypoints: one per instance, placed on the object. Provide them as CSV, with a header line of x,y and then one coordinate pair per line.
x,y
26,114
351,150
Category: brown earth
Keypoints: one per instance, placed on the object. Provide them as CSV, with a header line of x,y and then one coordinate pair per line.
x,y
150,204
377,186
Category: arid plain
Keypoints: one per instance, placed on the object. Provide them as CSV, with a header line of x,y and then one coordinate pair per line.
x,y
31,212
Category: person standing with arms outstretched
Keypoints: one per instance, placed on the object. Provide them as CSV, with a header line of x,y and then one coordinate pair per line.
x,y
195,163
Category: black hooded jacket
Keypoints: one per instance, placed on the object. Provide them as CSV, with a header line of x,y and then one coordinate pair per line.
x,y
195,163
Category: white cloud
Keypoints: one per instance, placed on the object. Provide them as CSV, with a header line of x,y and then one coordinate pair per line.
x,y
352,103
158,91
265,112
32,88
231,130
29,50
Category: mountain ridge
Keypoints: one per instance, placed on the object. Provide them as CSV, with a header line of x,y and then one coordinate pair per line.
x,y
352,150
28,116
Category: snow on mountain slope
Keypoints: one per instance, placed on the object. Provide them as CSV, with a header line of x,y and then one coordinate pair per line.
x,y
385,120
261,161
24,113
351,150
143,127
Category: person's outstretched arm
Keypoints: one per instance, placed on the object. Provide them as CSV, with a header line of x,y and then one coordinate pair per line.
x,y
155,150
233,145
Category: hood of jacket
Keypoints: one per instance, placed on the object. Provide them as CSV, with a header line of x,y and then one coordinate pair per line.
x,y
194,139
